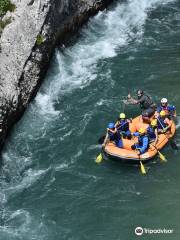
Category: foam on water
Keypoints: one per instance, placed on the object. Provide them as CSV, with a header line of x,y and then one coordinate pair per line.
x,y
20,225
76,67
106,34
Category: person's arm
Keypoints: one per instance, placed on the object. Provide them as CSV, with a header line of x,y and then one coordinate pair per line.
x,y
131,100
135,134
113,131
145,145
168,123
129,120
116,124
159,109
172,111
156,133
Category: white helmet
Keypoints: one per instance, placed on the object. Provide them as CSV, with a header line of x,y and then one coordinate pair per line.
x,y
164,100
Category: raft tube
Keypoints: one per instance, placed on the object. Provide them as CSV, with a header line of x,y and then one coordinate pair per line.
x,y
127,154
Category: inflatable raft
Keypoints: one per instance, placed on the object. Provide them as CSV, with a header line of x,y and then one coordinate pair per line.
x,y
129,155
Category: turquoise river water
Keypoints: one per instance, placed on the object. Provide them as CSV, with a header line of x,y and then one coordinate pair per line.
x,y
50,186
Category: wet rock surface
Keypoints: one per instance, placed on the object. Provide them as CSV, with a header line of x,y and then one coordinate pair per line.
x,y
26,47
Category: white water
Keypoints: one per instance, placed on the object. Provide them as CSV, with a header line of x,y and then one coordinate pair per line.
x,y
76,67
105,35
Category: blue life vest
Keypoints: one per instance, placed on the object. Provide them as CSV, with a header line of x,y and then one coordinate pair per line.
x,y
116,138
160,123
123,126
168,108
113,136
151,132
143,142
140,140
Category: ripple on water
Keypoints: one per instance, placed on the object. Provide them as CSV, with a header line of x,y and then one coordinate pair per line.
x,y
76,68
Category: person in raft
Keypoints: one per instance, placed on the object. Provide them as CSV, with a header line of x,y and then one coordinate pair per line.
x,y
163,122
122,126
169,109
143,141
112,135
145,102
152,132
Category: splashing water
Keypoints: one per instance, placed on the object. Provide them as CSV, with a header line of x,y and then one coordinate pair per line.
x,y
47,178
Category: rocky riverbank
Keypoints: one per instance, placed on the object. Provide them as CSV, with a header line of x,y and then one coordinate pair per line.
x,y
27,45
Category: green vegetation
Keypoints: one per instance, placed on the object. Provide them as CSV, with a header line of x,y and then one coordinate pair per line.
x,y
6,5
4,23
40,39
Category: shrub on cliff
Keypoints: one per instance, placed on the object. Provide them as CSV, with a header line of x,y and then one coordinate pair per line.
x,y
6,5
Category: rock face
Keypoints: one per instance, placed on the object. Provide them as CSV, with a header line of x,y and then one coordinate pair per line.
x,y
26,47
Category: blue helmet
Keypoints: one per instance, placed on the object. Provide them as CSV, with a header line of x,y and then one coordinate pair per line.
x,y
111,125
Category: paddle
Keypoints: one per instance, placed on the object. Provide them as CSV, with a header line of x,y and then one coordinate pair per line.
x,y
161,156
142,168
99,158
101,139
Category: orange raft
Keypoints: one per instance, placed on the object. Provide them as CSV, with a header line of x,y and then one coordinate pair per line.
x,y
129,155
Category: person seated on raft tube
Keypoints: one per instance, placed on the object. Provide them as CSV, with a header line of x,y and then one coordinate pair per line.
x,y
122,126
143,141
163,123
152,132
145,102
169,109
112,135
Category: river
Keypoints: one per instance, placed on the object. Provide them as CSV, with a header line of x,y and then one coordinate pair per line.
x,y
51,188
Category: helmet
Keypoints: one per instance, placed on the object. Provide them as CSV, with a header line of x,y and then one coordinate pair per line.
x,y
142,131
111,125
154,122
162,113
122,115
164,100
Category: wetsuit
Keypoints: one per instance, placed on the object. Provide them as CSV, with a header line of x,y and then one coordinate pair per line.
x,y
123,128
115,138
169,109
151,133
143,143
147,105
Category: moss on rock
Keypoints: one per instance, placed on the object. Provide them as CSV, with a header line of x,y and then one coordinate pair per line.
x,y
6,5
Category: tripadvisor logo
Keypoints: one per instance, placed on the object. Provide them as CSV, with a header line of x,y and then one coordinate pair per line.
x,y
139,231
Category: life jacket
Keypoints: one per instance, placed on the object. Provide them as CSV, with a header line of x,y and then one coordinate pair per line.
x,y
151,133
113,136
147,103
168,109
123,126
160,123
140,140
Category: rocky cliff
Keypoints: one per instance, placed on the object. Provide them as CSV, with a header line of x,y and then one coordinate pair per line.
x,y
26,47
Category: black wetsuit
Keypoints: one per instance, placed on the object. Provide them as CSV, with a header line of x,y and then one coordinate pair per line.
x,y
147,105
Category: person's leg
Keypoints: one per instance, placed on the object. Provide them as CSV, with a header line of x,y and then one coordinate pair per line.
x,y
128,135
119,143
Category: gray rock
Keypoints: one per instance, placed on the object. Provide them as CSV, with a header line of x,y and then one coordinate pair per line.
x,y
24,60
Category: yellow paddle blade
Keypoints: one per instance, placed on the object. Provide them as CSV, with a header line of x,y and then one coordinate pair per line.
x,y
143,170
162,157
99,158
